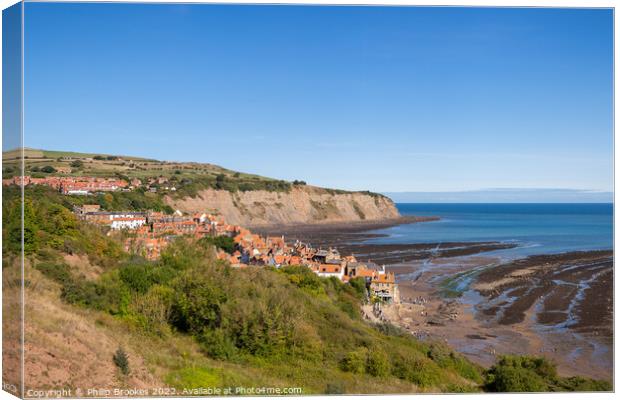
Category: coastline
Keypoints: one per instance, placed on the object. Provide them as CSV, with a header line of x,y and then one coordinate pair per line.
x,y
342,226
437,282
337,233
472,322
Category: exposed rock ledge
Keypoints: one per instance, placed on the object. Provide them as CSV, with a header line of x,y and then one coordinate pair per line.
x,y
305,204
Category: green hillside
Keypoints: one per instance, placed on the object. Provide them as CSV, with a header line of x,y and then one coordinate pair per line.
x,y
191,321
187,177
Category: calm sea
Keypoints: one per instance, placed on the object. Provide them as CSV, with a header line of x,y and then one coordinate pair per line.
x,y
536,228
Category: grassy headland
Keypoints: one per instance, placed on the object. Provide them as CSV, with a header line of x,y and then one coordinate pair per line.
x,y
187,177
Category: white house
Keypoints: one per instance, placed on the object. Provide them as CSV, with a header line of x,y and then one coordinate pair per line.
x,y
327,270
127,223
80,192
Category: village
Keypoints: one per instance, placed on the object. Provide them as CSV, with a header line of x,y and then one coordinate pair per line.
x,y
86,185
148,232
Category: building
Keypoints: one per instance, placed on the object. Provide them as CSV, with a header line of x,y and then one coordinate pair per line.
x,y
80,211
127,223
383,286
79,185
329,270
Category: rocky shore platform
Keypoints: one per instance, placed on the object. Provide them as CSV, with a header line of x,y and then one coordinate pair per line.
x,y
559,306
352,238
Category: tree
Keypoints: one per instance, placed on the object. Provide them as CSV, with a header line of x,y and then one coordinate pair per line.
x,y
225,243
121,360
219,181
77,164
48,169
520,374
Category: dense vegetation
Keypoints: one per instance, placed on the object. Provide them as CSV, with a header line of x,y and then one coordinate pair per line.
x,y
535,374
137,200
289,324
50,226
288,321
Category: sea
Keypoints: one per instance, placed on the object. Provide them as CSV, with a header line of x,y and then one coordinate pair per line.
x,y
535,228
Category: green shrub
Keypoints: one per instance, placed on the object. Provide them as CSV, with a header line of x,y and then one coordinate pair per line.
x,y
377,363
304,278
57,272
520,374
156,308
218,344
535,374
225,243
580,384
136,277
359,286
415,369
515,379
355,361
197,303
447,358
180,255
349,305
121,360
108,294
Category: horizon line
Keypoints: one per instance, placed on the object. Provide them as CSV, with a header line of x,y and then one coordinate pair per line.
x,y
383,192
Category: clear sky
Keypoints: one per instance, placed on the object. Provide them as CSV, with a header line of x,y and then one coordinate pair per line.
x,y
388,99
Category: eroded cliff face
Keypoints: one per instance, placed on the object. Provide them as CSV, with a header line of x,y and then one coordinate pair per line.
x,y
304,204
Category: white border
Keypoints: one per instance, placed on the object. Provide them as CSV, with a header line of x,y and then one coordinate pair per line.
x,y
480,3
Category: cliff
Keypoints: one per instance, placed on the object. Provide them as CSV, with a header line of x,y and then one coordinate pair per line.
x,y
301,204
241,198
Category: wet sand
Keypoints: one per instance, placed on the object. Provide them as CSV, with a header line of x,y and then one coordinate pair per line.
x,y
571,290
523,307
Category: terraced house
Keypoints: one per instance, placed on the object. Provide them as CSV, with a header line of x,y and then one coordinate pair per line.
x,y
153,231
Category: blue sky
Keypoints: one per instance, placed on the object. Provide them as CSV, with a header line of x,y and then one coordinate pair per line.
x,y
11,76
381,98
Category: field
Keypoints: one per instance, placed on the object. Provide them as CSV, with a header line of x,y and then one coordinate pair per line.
x,y
188,178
